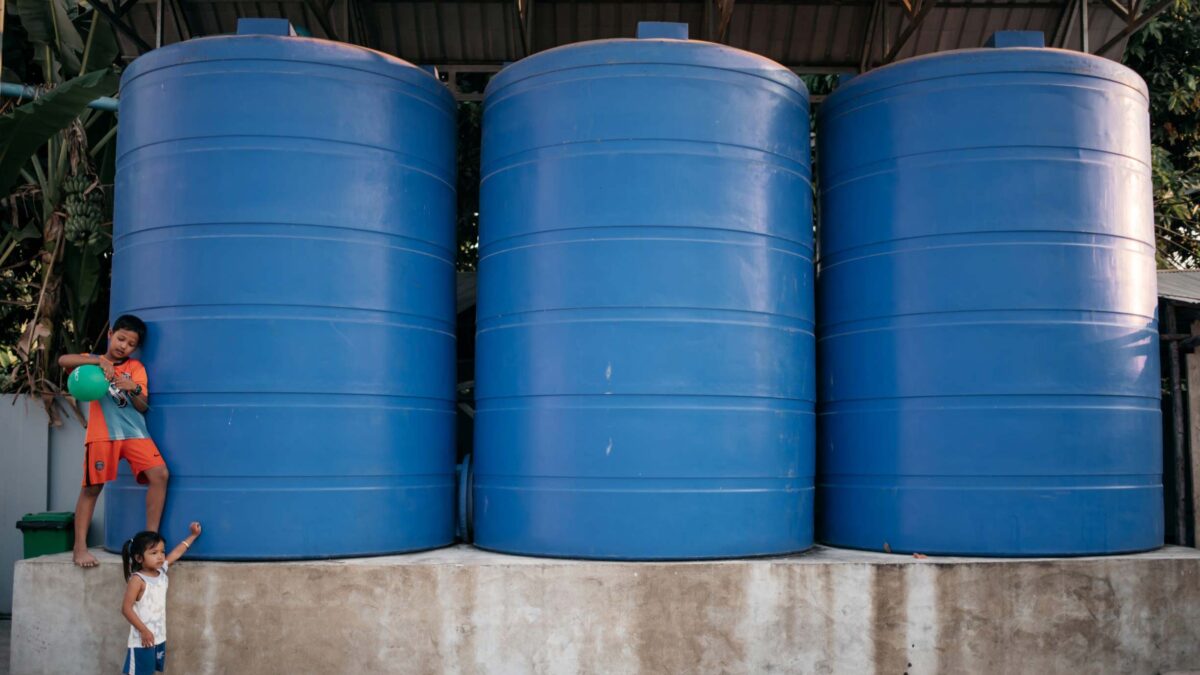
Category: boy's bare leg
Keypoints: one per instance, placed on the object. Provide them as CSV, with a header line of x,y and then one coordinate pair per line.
x,y
156,495
84,508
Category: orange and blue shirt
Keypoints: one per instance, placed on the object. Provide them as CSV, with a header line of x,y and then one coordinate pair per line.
x,y
113,417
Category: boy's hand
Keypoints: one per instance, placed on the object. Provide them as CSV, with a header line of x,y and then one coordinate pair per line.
x,y
147,638
107,367
195,527
125,383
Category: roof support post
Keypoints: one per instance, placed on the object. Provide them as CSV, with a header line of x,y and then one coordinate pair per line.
x,y
1191,363
1178,448
1083,27
158,23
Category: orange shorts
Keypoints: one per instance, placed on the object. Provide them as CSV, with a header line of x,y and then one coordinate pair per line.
x,y
101,459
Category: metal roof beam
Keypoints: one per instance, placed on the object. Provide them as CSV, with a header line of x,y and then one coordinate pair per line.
x,y
869,37
1118,9
183,26
1146,17
725,16
121,27
368,31
1065,20
525,23
321,13
453,71
913,25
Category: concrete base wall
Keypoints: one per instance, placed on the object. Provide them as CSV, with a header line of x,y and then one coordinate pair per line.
x,y
461,610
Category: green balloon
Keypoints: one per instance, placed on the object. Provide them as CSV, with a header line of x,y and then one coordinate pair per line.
x,y
87,383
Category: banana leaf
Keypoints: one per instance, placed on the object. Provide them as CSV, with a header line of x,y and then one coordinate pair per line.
x,y
48,22
28,127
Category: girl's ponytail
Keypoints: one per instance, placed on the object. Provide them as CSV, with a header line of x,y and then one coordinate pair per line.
x,y
133,549
127,559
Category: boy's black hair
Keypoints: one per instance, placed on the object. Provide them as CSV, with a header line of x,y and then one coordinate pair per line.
x,y
131,323
135,547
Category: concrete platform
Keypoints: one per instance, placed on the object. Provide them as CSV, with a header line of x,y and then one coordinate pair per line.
x,y
461,610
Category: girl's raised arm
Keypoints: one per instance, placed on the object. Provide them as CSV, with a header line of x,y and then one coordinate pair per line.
x,y
184,545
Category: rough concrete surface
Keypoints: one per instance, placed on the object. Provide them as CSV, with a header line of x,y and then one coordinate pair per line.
x,y
461,610
5,633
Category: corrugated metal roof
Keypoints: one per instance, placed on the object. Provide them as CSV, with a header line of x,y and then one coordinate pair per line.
x,y
807,35
1181,285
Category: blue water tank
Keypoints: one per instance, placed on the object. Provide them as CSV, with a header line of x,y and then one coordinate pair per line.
x,y
644,371
988,353
285,225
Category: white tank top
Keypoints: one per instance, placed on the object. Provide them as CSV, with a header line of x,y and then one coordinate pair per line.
x,y
152,608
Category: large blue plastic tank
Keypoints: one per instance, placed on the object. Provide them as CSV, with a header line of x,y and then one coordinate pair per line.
x,y
988,350
645,383
285,225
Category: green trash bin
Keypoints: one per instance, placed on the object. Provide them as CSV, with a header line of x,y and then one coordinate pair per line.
x,y
47,533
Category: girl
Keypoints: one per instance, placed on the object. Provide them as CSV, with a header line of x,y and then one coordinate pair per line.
x,y
145,607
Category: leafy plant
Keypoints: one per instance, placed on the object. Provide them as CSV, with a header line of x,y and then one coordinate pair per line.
x,y
470,116
1166,52
56,173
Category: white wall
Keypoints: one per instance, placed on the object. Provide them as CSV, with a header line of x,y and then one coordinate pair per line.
x,y
40,470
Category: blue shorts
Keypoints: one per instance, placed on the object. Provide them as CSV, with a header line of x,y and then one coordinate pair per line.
x,y
140,660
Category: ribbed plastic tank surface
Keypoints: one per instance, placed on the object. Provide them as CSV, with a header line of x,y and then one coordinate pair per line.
x,y
645,383
285,225
988,347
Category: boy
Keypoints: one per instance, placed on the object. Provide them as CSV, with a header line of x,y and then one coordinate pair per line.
x,y
117,430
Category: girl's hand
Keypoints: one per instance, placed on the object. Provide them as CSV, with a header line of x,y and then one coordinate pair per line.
x,y
195,527
147,638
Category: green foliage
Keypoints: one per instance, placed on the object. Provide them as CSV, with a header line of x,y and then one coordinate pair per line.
x,y
56,159
102,48
470,116
27,128
1166,52
49,24
820,85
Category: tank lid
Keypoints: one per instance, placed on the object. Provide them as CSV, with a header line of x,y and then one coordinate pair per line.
x,y
661,30
264,44
1017,38
1003,58
250,26
657,43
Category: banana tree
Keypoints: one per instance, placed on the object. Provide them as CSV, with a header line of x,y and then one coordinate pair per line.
x,y
56,166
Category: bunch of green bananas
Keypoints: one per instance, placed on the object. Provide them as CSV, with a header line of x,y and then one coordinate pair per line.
x,y
84,211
